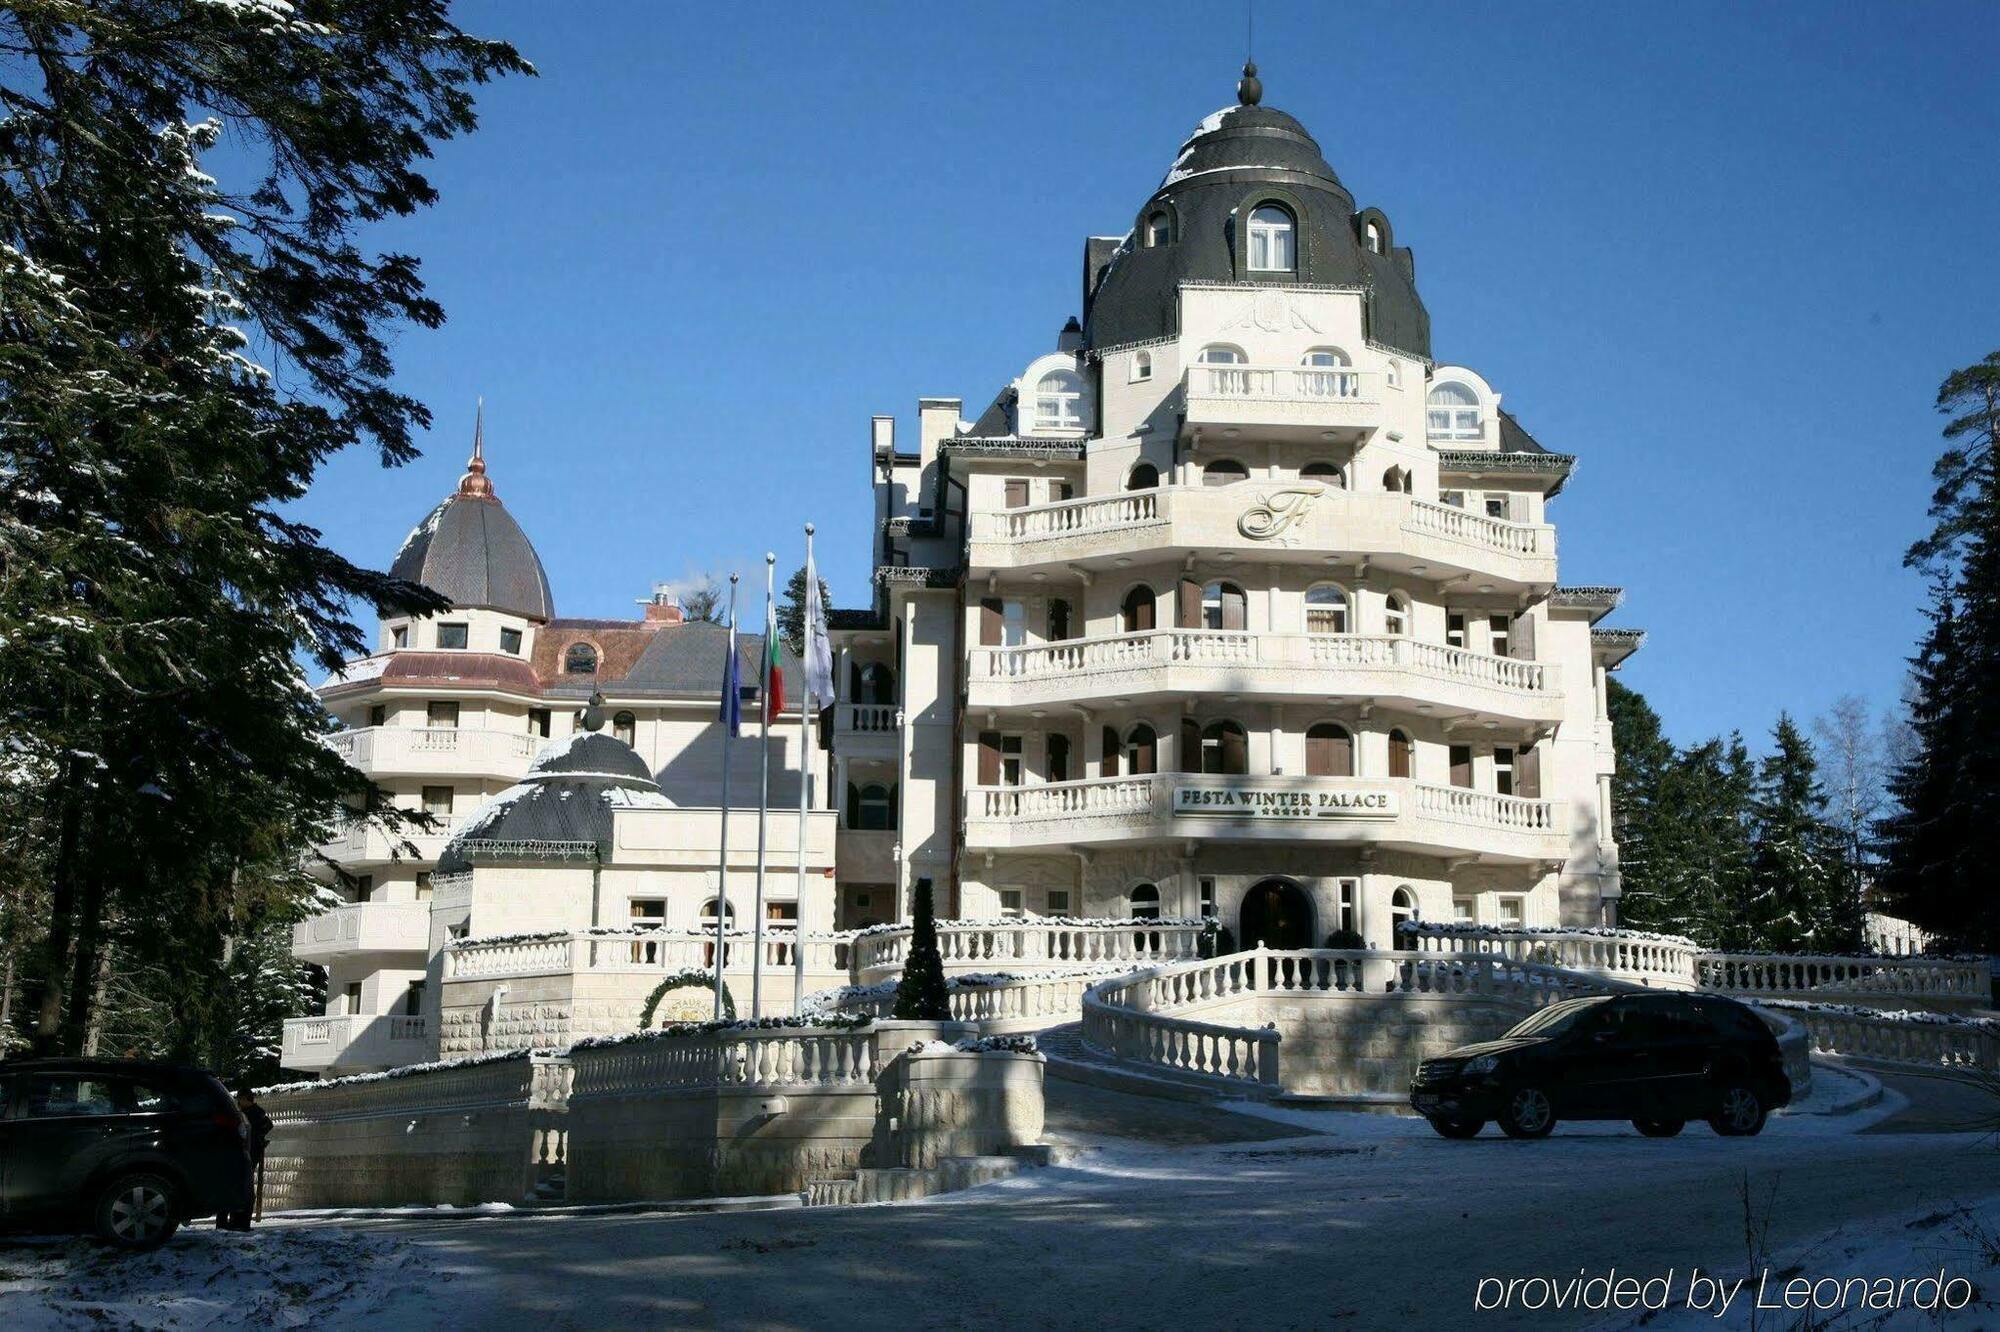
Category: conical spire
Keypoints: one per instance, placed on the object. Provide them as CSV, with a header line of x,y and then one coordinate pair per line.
x,y
474,485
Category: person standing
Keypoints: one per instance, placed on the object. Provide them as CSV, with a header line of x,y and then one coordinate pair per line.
x,y
260,1134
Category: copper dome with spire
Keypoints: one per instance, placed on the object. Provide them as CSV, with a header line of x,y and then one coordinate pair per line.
x,y
471,550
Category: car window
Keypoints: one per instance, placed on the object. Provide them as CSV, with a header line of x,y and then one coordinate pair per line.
x,y
62,1095
1556,1018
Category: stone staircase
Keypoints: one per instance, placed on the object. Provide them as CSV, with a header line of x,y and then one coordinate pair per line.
x,y
1073,1061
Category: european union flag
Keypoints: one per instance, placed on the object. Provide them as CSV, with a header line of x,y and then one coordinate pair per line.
x,y
732,689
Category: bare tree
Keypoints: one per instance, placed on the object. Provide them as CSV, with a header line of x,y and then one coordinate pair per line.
x,y
1854,764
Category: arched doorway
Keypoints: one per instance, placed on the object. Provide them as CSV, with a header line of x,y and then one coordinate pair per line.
x,y
1278,914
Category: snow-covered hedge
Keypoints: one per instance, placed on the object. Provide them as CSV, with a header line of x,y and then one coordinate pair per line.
x,y
1454,928
684,1030
407,1070
979,1045
644,932
1913,1016
1060,922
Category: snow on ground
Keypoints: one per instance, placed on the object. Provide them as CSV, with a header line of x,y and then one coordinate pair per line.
x,y
207,1278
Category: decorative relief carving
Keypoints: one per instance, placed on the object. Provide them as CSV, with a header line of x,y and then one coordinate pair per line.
x,y
1272,312
1277,512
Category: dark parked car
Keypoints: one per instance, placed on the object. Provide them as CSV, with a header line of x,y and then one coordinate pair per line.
x,y
1658,1060
126,1149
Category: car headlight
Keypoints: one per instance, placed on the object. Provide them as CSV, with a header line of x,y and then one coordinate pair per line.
x,y
1482,1066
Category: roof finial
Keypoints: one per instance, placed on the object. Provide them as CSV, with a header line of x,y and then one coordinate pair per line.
x,y
474,483
1249,91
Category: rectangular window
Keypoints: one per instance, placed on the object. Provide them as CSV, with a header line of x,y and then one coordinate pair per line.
x,y
423,885
1461,766
647,913
437,801
352,998
510,642
451,635
1349,912
1454,629
1058,765
1454,498
1510,911
1501,628
538,722
1207,885
1497,506
400,636
413,999
1461,910
364,887
1058,901
1013,624
1060,491
1010,760
378,715
1017,494
1010,902
1503,770
442,714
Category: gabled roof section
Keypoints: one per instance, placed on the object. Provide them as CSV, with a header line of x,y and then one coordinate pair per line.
x,y
1597,602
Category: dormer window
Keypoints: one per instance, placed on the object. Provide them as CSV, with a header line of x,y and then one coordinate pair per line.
x,y
581,659
1454,412
1059,401
1159,229
1271,240
1371,236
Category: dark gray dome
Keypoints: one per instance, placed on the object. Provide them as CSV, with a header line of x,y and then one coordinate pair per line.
x,y
1236,159
565,800
471,550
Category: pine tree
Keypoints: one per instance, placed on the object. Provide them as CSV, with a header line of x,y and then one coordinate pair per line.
x,y
1644,755
1948,793
792,610
1696,876
155,598
922,992
1801,897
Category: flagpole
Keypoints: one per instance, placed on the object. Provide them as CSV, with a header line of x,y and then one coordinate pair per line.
x,y
729,706
806,701
763,794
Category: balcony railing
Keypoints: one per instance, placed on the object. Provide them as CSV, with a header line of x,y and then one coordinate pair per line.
x,y
1476,529
364,927
866,718
355,1041
366,844
1387,810
1282,383
426,750
1294,663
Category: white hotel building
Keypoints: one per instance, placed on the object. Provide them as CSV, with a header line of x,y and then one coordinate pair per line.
x,y
1237,603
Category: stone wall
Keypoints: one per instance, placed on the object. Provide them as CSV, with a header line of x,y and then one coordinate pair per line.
x,y
1345,1044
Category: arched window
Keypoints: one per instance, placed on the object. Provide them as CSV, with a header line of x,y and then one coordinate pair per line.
x,y
873,810
1224,472
876,684
1326,473
708,928
1453,412
1058,619
1225,749
1396,615
1159,228
1393,374
1371,236
1143,902
581,659
1223,354
1137,610
1327,609
1402,911
1141,751
1059,401
1224,371
1223,606
1329,751
1396,481
1143,476
625,728
1272,248
1327,373
1142,366
1402,755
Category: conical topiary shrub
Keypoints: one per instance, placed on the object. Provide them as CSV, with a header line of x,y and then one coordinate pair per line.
x,y
921,993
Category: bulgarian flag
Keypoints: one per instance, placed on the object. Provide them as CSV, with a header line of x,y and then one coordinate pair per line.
x,y
774,685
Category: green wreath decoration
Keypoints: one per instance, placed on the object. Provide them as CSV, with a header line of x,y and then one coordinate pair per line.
x,y
683,980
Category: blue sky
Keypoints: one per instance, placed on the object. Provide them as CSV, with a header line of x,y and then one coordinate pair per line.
x,y
1724,254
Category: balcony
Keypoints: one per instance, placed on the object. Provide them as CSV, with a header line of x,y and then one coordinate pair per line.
x,y
365,844
1277,521
436,751
1395,672
364,927
866,855
1280,401
356,1043
866,731
1392,813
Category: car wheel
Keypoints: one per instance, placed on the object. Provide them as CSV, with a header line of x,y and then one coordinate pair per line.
x,y
136,1212
1659,1128
1528,1113
1739,1112
1458,1128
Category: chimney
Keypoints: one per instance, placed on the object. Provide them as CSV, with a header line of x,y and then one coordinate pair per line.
x,y
661,607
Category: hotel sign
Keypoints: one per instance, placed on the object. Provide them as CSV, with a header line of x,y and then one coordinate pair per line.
x,y
1230,802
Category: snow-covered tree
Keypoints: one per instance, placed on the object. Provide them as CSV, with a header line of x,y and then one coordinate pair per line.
x,y
1802,895
922,993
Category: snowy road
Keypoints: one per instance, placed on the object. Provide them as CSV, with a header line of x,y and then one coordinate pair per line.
x,y
1192,1217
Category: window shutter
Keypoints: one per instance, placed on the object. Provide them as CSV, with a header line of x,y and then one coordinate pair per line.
x,y
1144,611
1188,612
1521,639
1319,755
853,805
1235,750
1528,773
990,612
989,758
1190,745
1461,765
1399,757
1144,761
1235,610
1340,754
1017,494
1111,754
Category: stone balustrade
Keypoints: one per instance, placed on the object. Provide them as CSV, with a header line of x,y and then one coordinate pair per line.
x,y
1012,945
1456,524
1930,1041
664,951
777,1057
1643,959
997,1008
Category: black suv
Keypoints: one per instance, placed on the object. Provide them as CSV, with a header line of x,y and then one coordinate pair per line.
x,y
1658,1060
123,1148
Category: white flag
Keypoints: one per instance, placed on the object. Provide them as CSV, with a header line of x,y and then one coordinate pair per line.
x,y
818,653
